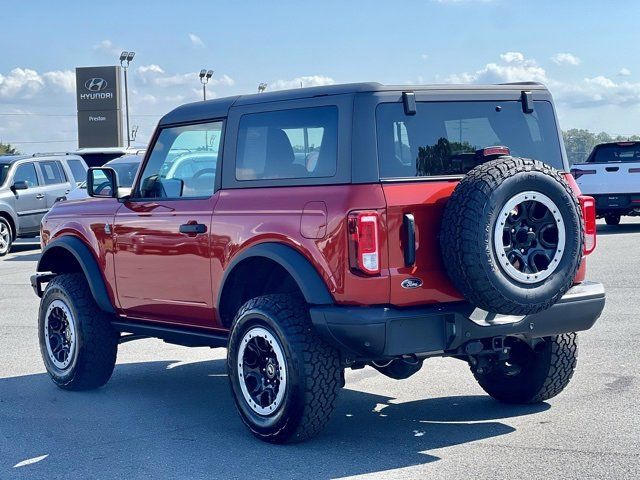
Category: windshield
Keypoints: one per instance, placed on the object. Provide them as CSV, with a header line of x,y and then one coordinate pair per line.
x,y
443,138
4,170
615,153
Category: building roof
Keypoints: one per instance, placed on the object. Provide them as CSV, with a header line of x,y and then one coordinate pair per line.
x,y
220,107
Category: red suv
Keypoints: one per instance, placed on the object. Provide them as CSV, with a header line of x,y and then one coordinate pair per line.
x,y
325,228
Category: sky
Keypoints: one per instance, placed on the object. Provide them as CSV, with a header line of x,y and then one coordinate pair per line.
x,y
586,52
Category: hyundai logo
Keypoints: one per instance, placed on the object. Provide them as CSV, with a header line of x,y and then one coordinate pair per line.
x,y
95,84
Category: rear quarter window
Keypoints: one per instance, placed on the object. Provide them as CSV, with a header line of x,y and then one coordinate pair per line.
x,y
288,144
443,138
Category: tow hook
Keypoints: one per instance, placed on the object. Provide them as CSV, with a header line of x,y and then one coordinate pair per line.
x,y
483,354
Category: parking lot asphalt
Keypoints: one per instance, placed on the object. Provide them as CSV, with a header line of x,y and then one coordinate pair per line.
x,y
168,412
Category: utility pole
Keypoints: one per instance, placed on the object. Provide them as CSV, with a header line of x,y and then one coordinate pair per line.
x,y
125,59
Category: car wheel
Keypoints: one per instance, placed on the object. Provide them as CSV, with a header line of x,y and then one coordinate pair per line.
x,y
284,378
6,237
77,342
512,237
612,219
532,375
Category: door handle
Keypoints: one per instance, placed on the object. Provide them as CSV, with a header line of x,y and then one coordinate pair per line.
x,y
193,228
612,169
40,196
409,223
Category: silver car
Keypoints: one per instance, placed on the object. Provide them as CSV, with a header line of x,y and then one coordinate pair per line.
x,y
29,186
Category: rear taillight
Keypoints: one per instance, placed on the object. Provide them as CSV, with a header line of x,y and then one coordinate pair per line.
x,y
588,205
577,173
364,242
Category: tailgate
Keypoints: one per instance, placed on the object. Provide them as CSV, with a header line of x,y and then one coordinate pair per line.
x,y
424,281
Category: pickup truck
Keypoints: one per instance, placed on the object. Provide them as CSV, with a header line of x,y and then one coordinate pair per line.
x,y
611,175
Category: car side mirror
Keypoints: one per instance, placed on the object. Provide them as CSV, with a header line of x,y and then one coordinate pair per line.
x,y
20,185
102,182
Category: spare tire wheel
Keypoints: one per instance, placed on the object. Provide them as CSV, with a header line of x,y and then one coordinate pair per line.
x,y
512,236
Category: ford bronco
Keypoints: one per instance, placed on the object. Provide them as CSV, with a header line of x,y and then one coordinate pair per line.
x,y
318,229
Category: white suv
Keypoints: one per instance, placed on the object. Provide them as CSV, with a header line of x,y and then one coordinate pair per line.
x,y
29,186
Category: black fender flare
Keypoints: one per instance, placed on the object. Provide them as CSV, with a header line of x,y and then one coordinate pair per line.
x,y
87,262
307,278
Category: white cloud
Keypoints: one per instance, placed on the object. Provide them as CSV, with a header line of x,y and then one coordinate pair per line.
x,y
588,93
514,68
565,59
196,41
598,91
305,81
107,46
65,79
424,56
624,72
20,82
512,57
153,68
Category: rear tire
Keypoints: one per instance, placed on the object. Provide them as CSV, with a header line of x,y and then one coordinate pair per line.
x,y
533,376
284,378
612,219
77,342
6,237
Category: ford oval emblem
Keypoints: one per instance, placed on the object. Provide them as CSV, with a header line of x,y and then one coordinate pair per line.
x,y
411,283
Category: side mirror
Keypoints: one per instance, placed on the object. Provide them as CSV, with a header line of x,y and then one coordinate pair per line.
x,y
20,185
102,182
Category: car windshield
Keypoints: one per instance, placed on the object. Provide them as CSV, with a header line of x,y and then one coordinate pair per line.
x,y
615,153
4,169
445,138
126,173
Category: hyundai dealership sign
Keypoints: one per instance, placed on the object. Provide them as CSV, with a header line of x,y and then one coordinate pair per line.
x,y
99,107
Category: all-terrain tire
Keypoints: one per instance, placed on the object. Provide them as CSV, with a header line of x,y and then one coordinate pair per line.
x,y
94,355
612,219
7,237
543,375
467,236
313,369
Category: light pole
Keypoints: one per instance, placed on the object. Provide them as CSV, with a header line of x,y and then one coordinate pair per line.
x,y
125,59
262,87
205,75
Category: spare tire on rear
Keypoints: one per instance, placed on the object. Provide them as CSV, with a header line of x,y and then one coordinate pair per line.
x,y
512,237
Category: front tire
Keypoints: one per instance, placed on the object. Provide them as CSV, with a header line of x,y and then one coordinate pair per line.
x,y
284,378
612,219
6,237
77,342
532,375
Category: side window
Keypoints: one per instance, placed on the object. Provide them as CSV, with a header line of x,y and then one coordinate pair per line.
x,y
26,173
297,143
183,162
52,172
78,170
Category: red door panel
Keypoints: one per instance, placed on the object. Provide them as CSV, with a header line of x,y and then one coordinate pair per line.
x,y
162,274
426,201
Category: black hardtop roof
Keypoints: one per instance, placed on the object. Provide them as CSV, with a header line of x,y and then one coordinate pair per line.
x,y
220,107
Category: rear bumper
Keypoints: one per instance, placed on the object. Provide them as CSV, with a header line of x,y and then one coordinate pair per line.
x,y
375,332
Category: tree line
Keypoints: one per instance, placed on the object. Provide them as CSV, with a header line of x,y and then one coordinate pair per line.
x,y
580,142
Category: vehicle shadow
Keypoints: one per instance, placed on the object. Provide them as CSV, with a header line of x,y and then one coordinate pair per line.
x,y
156,421
618,229
31,257
24,246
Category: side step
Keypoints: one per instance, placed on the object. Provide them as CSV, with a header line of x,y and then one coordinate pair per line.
x,y
176,335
